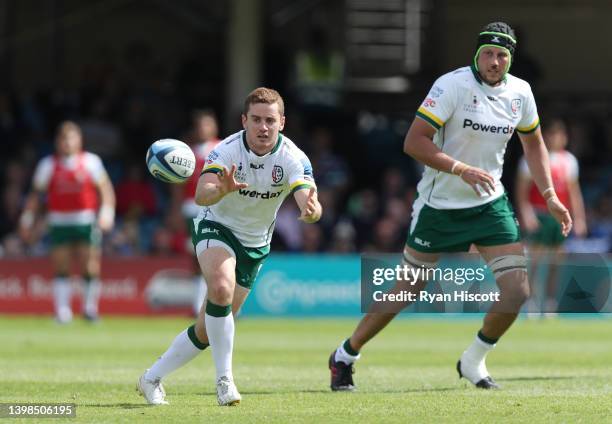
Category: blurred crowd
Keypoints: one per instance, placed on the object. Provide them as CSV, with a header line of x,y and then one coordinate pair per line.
x,y
366,184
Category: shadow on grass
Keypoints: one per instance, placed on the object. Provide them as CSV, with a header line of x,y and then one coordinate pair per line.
x,y
117,405
249,392
318,391
419,390
538,378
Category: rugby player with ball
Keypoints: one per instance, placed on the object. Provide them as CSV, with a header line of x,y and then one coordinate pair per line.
x,y
244,181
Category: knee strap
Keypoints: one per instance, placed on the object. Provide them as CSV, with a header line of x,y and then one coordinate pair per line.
x,y
418,265
507,263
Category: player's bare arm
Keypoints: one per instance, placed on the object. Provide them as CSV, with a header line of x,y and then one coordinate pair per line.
x,y
28,216
419,145
106,217
310,208
577,205
526,212
213,187
538,162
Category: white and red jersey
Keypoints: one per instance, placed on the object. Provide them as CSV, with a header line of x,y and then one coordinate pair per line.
x,y
563,170
201,151
71,184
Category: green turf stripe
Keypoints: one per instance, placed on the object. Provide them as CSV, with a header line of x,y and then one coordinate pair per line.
x,y
194,339
217,310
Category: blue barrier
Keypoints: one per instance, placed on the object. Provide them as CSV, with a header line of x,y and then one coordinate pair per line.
x,y
306,285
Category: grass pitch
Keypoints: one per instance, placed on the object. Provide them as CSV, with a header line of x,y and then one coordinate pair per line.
x,y
551,371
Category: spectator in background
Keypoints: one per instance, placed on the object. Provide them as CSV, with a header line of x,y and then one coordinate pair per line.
x,y
312,239
387,237
364,209
543,231
103,135
287,230
397,210
76,183
333,175
332,170
161,242
135,193
125,240
13,185
170,238
343,238
137,204
331,199
393,185
202,139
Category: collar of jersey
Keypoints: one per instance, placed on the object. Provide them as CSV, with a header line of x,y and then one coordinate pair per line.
x,y
70,159
271,152
480,81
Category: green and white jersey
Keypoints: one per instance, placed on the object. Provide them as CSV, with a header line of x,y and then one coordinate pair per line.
x,y
250,213
474,123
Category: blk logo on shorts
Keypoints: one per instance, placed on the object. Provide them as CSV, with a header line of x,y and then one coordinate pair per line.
x,y
423,243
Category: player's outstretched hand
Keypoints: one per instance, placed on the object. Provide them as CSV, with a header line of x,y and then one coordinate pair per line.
x,y
227,180
309,211
476,178
560,213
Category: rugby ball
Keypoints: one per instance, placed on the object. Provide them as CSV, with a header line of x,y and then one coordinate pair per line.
x,y
170,161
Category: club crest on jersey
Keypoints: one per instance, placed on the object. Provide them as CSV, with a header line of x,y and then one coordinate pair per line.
x,y
515,105
240,174
277,174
